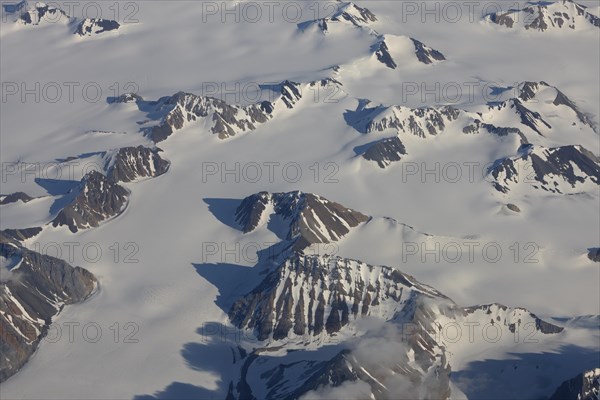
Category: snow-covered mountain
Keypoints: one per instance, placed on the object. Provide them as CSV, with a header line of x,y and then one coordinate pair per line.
x,y
551,16
439,222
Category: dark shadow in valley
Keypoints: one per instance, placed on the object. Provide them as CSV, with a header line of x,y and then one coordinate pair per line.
x,y
224,210
526,375
216,353
56,187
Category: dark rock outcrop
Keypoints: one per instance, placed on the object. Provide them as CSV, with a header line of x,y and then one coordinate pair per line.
x,y
594,254
130,163
425,54
14,197
311,218
33,289
94,200
95,26
585,386
385,152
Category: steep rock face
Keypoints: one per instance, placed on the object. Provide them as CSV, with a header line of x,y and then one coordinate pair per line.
x,y
585,386
312,294
95,26
385,152
130,163
562,169
543,16
33,289
311,218
96,199
43,13
14,197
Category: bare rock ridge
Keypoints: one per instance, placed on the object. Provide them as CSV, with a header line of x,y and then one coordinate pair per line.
x,y
33,289
543,16
312,218
14,197
558,170
96,199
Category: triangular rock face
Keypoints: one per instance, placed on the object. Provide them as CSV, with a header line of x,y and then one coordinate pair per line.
x,y
95,26
563,169
311,218
585,386
95,200
543,16
33,289
131,163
